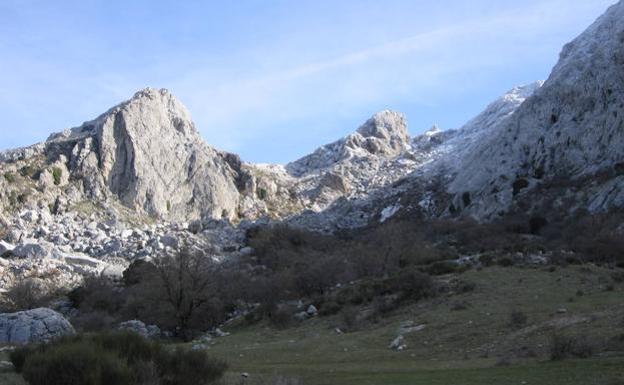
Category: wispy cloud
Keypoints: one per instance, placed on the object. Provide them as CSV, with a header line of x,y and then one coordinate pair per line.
x,y
274,99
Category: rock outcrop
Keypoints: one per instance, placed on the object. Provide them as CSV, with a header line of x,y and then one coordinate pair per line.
x,y
571,130
148,153
37,325
384,135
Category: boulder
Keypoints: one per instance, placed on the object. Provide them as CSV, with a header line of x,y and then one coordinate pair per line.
x,y
139,327
301,316
170,241
398,343
5,247
37,325
33,250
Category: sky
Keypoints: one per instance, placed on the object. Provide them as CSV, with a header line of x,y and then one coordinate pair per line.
x,y
272,80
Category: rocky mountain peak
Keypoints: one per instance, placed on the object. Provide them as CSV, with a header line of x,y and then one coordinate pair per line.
x,y
569,129
386,132
598,43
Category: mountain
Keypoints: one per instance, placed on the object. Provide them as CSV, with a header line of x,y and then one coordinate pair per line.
x,y
420,174
568,136
543,151
147,154
139,180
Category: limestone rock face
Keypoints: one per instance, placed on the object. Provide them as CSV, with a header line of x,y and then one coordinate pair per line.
x,y
148,153
571,129
37,325
384,135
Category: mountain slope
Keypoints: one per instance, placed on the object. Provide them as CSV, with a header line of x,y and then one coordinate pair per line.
x,y
571,129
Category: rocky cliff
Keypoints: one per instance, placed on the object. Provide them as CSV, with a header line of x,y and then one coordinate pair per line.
x,y
571,131
147,153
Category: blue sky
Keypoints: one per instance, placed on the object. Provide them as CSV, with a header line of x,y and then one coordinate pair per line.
x,y
274,79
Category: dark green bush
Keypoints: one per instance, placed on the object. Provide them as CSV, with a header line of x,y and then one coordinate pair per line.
x,y
18,356
9,176
75,363
57,175
442,267
618,276
29,171
330,308
190,367
413,285
114,358
506,262
566,346
349,319
517,319
281,318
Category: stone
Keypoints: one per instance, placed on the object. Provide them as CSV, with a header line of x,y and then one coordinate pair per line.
x,y
5,247
220,333
139,327
30,216
170,241
33,250
37,325
398,343
312,310
301,316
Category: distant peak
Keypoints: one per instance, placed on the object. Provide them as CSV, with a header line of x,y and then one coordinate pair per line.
x,y
434,130
524,91
150,91
386,125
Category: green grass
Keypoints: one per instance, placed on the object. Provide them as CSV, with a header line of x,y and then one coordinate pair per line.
x,y
456,346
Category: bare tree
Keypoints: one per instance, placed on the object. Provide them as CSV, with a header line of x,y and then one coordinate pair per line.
x,y
187,286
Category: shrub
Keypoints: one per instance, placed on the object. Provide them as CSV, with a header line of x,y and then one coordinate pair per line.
x,y
442,267
330,308
460,305
517,319
519,184
618,276
384,305
413,285
27,294
23,198
190,367
462,286
28,171
486,260
75,363
18,357
349,318
114,358
564,346
94,321
506,262
281,318
9,177
57,175
96,294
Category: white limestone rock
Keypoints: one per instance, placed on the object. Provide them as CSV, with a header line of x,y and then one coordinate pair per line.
x,y
569,129
148,153
37,325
